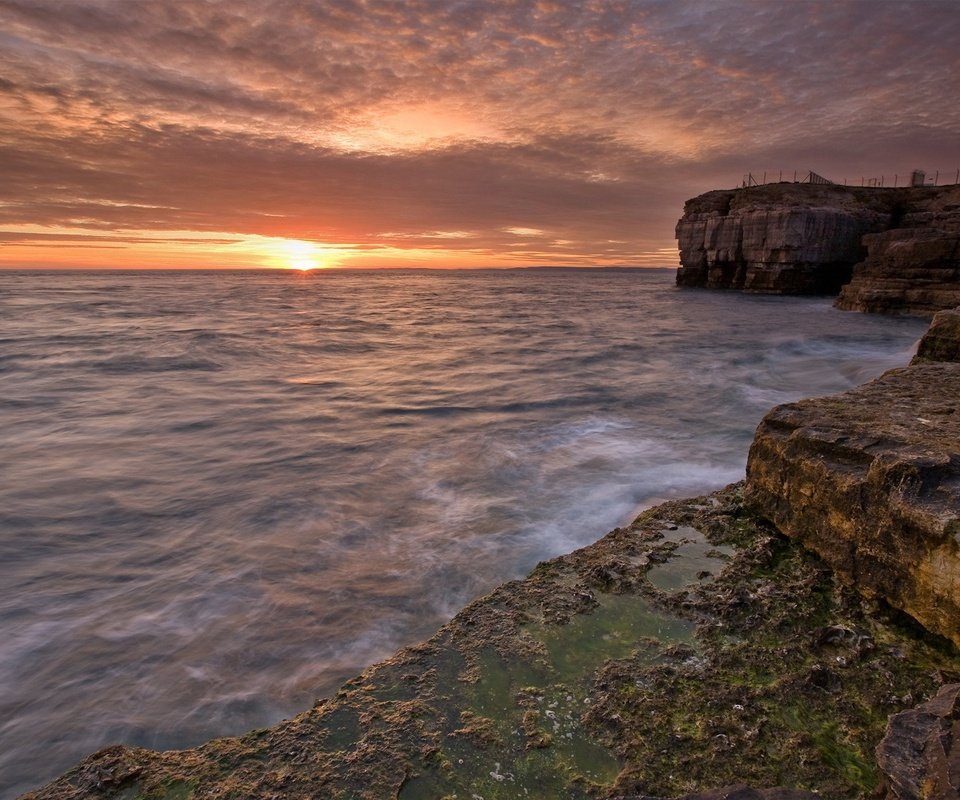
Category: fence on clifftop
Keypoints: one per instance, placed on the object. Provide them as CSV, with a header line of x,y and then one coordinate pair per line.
x,y
939,178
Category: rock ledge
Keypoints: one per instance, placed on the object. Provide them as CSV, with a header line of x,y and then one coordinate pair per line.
x,y
870,481
884,250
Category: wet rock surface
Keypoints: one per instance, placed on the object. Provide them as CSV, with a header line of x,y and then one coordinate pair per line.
x,y
870,481
618,670
920,754
884,250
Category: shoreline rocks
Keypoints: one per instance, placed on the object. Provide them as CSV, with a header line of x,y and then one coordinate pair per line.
x,y
695,648
883,250
869,480
920,753
913,268
941,342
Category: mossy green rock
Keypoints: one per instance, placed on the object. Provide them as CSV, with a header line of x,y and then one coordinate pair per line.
x,y
589,679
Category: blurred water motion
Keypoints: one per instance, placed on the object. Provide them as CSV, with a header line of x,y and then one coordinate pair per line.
x,y
221,494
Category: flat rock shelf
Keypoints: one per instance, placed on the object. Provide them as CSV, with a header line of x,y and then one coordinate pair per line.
x,y
696,648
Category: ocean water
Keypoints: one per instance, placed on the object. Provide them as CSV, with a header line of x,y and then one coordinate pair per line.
x,y
221,494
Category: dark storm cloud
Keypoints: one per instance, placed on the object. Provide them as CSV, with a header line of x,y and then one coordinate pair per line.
x,y
359,121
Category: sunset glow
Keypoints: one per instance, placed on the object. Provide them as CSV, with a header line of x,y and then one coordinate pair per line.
x,y
186,133
302,255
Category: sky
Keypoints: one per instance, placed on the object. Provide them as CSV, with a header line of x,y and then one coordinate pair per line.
x,y
464,133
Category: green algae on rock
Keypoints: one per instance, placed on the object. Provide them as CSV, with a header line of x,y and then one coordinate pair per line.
x,y
587,679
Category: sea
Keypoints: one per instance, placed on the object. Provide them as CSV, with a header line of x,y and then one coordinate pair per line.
x,y
224,493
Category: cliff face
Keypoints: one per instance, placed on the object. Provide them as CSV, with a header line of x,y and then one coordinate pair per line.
x,y
780,238
915,267
870,481
807,239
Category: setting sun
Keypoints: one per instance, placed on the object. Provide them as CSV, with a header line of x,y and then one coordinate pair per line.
x,y
301,255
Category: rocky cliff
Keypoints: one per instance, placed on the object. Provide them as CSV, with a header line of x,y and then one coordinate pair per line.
x,y
870,481
778,238
914,267
806,239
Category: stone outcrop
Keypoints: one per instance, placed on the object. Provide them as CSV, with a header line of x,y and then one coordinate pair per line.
x,y
942,341
779,238
883,249
920,754
870,481
692,649
914,268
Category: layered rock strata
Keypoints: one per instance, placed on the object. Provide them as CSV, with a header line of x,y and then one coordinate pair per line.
x,y
914,268
780,238
889,250
870,481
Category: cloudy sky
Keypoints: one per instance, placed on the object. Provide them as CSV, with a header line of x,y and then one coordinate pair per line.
x,y
458,133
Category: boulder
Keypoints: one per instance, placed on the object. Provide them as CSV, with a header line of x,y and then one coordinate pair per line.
x,y
870,481
941,342
920,754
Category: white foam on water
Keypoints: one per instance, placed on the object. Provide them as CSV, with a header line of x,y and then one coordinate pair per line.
x,y
223,494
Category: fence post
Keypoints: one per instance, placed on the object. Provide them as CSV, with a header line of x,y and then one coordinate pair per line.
x,y
764,176
895,181
936,178
795,176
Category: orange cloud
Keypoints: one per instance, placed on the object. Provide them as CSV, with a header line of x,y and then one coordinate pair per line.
x,y
370,127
